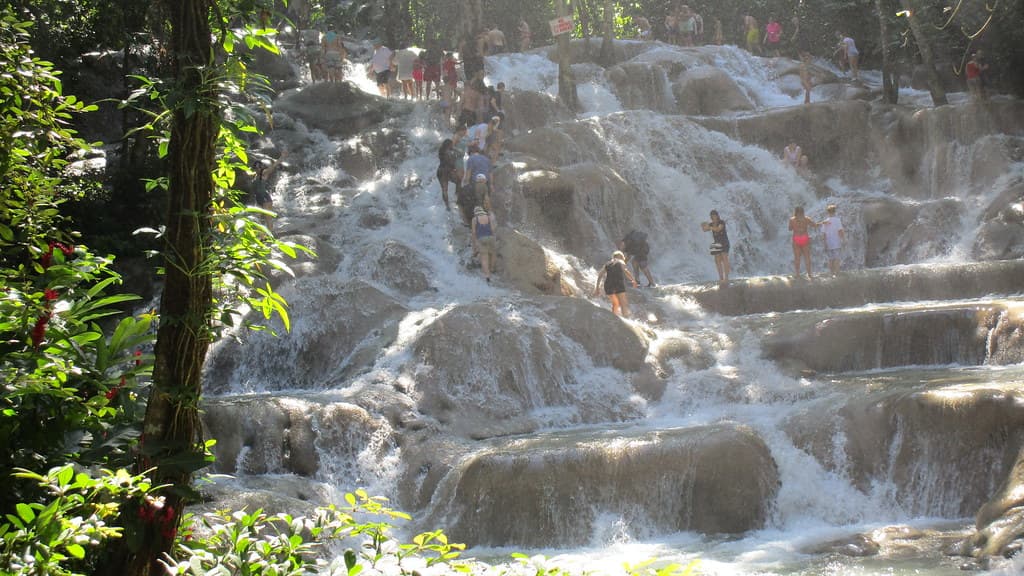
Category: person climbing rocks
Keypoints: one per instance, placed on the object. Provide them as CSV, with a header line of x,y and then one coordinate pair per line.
x,y
380,64
719,246
450,79
478,164
643,27
752,35
312,51
772,36
835,237
495,40
791,154
485,243
974,71
417,75
447,170
805,76
848,54
800,225
334,55
613,276
634,245
432,58
405,60
262,171
466,199
525,36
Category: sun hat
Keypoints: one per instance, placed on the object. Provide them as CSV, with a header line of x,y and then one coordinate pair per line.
x,y
479,211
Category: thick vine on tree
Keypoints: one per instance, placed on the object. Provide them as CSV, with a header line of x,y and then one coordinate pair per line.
x,y
471,22
566,80
172,436
925,48
890,80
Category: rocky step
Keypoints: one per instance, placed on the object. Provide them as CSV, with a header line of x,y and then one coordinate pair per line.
x,y
967,333
919,282
552,490
932,442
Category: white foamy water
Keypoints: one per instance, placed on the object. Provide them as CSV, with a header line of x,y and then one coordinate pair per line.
x,y
683,170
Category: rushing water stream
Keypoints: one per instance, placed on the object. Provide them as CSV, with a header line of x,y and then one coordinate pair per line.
x,y
764,435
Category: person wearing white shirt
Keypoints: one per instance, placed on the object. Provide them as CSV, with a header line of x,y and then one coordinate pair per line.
x,y
380,64
835,236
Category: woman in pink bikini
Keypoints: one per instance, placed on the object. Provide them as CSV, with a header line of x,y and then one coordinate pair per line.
x,y
800,225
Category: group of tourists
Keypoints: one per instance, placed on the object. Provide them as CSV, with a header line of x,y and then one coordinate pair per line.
x,y
614,275
325,54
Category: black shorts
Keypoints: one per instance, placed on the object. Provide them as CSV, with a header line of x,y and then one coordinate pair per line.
x,y
383,77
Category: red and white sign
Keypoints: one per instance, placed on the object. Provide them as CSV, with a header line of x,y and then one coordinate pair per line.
x,y
561,25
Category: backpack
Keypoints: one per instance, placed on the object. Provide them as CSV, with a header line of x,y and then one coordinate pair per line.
x,y
636,242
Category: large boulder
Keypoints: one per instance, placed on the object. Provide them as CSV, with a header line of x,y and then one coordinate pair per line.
x,y
999,524
709,91
338,109
837,136
527,110
579,208
607,342
885,339
401,268
941,449
641,85
337,331
1002,229
480,371
926,151
553,490
524,264
857,288
281,435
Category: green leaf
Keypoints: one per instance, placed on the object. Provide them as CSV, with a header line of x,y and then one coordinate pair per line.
x,y
75,550
25,512
65,475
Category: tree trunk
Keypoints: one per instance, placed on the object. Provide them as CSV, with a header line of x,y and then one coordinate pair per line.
x,y
583,9
172,435
890,81
925,48
607,55
566,82
397,23
471,22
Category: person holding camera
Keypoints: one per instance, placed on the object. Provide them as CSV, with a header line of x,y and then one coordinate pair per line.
x,y
719,246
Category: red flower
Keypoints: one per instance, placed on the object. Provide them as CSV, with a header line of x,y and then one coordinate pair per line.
x,y
50,295
112,393
66,249
45,260
138,359
39,330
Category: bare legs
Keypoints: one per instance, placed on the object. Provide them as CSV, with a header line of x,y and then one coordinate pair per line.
x,y
722,264
620,304
801,252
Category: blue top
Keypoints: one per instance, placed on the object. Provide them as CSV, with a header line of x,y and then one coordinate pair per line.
x,y
478,164
483,230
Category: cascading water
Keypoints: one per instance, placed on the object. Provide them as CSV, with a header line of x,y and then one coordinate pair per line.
x,y
406,373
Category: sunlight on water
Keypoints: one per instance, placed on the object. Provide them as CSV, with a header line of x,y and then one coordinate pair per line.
x,y
678,170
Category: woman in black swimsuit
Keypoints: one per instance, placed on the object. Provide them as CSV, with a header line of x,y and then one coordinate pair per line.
x,y
614,275
720,246
447,170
